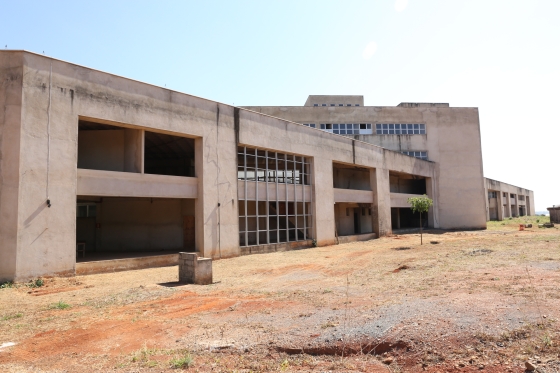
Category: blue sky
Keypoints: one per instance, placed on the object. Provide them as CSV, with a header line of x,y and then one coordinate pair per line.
x,y
500,56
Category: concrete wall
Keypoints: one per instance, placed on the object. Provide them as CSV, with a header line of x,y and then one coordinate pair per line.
x,y
11,76
43,102
137,224
101,150
351,178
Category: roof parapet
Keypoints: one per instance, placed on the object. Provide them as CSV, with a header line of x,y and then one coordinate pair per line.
x,y
422,104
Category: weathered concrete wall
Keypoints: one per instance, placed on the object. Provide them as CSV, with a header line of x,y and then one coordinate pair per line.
x,y
11,82
136,224
53,103
101,150
351,178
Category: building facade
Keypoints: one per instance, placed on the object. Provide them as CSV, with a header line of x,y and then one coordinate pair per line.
x,y
507,201
115,168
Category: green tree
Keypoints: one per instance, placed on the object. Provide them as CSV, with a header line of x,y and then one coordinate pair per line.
x,y
420,204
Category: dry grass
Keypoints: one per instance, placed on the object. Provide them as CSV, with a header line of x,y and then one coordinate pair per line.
x,y
480,294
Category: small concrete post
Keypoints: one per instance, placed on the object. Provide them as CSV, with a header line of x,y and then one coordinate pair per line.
x,y
194,270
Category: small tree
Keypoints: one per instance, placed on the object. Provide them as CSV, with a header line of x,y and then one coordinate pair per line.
x,y
420,204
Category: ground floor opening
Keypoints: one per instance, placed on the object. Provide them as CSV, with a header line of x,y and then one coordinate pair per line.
x,y
127,227
403,218
273,222
353,219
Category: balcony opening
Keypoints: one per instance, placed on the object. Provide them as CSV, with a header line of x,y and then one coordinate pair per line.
x,y
109,148
350,177
406,183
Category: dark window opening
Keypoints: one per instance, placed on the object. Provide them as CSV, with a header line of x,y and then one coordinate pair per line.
x,y
168,155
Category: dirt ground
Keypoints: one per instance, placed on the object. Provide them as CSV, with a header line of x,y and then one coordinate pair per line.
x,y
463,301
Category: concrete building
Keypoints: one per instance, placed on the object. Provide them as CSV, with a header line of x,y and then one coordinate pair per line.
x,y
95,166
507,201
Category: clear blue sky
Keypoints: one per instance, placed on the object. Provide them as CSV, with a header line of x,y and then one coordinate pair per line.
x,y
500,56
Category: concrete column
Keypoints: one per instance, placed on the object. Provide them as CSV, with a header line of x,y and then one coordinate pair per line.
x,y
216,210
323,202
433,211
500,207
133,150
199,210
516,205
10,137
508,205
381,211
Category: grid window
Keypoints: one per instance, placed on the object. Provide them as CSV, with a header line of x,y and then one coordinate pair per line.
x,y
417,154
272,221
400,129
315,104
347,128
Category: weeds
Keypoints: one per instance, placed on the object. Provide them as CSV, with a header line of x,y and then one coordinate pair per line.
x,y
7,285
60,305
37,283
186,361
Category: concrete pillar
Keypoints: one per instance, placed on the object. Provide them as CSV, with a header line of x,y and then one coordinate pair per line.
x,y
194,270
500,206
216,209
323,202
10,134
433,211
381,211
508,205
133,150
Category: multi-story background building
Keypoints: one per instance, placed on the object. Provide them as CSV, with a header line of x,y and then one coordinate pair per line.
x,y
102,173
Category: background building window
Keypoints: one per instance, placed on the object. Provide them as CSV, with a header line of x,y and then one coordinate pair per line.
x,y
400,129
416,154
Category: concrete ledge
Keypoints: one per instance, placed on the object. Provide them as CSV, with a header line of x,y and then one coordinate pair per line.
x,y
357,237
272,248
117,265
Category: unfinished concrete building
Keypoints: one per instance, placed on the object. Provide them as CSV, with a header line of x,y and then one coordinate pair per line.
x,y
96,168
507,201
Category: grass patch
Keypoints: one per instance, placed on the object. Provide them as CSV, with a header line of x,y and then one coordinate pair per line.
x,y
60,305
185,361
37,283
7,285
13,316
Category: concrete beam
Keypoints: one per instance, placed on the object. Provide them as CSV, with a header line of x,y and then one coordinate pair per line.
x,y
353,196
126,184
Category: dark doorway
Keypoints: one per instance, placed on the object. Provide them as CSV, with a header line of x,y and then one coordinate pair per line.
x,y
357,229
188,234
